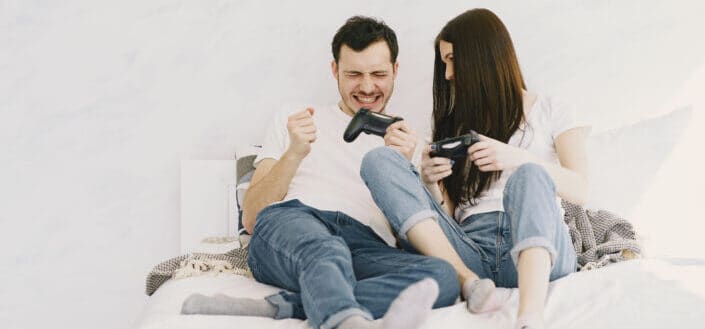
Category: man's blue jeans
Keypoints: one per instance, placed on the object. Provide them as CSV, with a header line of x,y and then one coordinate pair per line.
x,y
335,267
488,243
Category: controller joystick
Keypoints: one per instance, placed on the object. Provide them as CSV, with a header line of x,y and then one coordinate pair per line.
x,y
368,122
455,147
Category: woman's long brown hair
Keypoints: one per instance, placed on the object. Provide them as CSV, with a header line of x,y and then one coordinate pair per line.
x,y
485,94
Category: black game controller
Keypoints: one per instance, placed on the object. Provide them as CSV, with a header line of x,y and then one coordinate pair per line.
x,y
454,148
369,122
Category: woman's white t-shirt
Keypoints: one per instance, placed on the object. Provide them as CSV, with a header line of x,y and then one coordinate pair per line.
x,y
547,119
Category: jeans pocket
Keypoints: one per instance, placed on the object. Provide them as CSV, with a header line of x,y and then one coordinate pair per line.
x,y
342,219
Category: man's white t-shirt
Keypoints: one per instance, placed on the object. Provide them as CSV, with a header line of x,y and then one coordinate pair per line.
x,y
329,176
547,119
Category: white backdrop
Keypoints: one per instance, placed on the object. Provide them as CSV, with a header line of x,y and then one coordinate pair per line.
x,y
100,100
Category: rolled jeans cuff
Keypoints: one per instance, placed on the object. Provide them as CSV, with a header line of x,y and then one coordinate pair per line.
x,y
336,319
415,219
284,309
536,241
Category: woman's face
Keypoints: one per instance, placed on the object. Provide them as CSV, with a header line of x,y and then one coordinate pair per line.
x,y
446,49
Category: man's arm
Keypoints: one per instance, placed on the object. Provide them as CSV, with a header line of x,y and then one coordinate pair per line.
x,y
271,180
269,184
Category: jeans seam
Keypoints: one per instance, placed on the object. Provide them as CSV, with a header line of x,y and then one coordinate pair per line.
x,y
498,244
383,262
509,224
310,297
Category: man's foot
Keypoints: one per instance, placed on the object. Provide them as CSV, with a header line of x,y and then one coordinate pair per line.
x,y
413,306
482,296
408,311
226,305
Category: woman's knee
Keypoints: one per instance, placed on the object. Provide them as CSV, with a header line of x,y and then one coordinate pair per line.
x,y
529,175
378,161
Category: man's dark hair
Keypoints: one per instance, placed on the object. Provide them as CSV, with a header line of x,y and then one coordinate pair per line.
x,y
359,32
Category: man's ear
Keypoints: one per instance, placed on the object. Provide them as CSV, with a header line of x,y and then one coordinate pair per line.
x,y
395,69
334,69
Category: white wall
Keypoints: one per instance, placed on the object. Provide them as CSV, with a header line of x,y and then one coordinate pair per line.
x,y
99,102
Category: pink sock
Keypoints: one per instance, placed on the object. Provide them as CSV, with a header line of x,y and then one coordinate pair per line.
x,y
482,296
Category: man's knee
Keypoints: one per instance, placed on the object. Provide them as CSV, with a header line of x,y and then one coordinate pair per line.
x,y
321,249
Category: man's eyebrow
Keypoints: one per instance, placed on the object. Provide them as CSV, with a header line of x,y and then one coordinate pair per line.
x,y
373,72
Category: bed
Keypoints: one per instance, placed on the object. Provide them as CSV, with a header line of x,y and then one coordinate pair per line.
x,y
646,293
652,292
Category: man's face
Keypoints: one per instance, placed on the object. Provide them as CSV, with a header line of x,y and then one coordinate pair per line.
x,y
365,78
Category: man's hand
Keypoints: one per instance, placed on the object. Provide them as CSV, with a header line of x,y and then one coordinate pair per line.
x,y
401,138
302,132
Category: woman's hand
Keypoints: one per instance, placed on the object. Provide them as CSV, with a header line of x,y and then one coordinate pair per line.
x,y
492,155
434,169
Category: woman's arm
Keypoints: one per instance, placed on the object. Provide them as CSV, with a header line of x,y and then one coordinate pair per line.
x,y
571,176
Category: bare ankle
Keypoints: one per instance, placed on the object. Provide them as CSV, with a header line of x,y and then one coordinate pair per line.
x,y
467,277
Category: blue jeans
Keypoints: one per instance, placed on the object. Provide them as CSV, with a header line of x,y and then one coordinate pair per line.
x,y
334,266
488,243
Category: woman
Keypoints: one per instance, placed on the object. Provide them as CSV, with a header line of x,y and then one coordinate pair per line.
x,y
494,215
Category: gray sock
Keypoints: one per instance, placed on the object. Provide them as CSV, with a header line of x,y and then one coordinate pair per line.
x,y
482,296
408,311
226,305
413,306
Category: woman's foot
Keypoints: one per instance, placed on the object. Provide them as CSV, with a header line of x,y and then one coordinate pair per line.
x,y
530,321
482,296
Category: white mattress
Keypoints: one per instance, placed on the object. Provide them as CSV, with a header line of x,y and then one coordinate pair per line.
x,y
645,293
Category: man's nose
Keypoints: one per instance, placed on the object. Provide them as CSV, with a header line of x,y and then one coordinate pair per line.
x,y
367,85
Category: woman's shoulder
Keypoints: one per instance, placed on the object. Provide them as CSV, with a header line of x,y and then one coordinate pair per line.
x,y
547,105
557,113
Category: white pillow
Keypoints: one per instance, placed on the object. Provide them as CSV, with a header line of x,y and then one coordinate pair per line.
x,y
624,161
244,155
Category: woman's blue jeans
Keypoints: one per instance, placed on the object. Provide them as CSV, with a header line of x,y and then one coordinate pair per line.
x,y
488,243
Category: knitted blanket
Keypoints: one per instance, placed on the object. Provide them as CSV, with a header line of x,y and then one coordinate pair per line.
x,y
233,261
599,237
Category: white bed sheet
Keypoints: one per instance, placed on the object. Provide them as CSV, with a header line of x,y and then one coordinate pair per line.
x,y
647,293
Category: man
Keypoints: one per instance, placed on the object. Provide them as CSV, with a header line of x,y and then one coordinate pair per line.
x,y
316,230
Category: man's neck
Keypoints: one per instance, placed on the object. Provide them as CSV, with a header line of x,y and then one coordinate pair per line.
x,y
345,109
